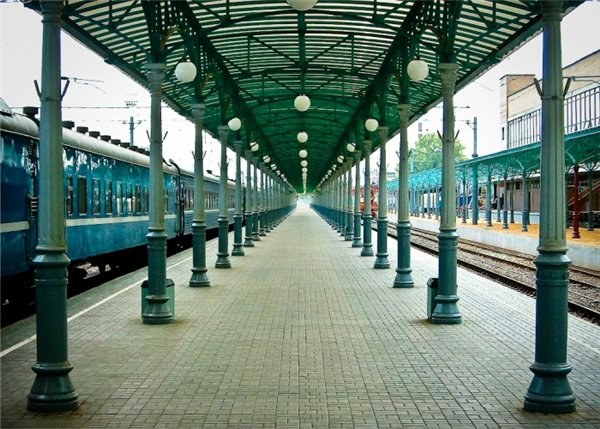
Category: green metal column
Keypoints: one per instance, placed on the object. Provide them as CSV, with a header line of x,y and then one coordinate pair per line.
x,y
356,239
199,277
475,177
464,197
403,272
262,199
349,226
223,220
550,391
590,224
238,249
446,310
52,389
341,185
268,200
248,242
381,258
505,205
525,211
156,310
255,202
367,249
488,200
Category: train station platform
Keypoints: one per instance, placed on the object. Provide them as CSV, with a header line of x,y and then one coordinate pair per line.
x,y
301,332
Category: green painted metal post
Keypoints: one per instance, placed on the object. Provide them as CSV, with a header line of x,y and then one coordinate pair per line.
x,y
223,220
199,277
590,223
157,310
255,202
52,389
348,236
238,249
475,177
505,201
488,200
446,310
367,249
464,197
381,257
248,242
340,201
268,200
403,277
356,239
550,391
525,211
261,198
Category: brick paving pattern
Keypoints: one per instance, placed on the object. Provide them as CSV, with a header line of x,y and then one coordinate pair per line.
x,y
302,332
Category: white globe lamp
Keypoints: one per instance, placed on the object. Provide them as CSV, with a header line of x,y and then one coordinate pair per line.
x,y
371,124
417,70
185,71
302,103
302,5
350,147
302,137
303,153
304,163
234,124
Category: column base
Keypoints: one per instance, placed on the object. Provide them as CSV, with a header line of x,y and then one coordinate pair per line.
x,y
367,250
52,390
157,311
255,237
403,279
381,261
199,278
446,311
237,250
357,242
223,261
248,242
550,391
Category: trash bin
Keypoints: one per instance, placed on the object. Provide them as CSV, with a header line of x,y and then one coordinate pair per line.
x,y
432,291
170,294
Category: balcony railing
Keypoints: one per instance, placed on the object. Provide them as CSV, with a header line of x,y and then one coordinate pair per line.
x,y
582,111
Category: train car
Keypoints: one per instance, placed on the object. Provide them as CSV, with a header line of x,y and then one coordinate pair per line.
x,y
106,199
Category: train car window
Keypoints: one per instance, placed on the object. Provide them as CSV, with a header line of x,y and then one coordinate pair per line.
x,y
146,197
138,199
108,198
69,195
96,196
119,198
82,195
129,199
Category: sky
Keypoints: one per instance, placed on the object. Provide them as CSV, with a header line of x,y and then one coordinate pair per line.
x,y
94,83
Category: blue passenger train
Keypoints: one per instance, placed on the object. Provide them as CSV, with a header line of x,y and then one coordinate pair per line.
x,y
106,199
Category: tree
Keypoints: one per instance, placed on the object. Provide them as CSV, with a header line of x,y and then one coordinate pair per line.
x,y
427,153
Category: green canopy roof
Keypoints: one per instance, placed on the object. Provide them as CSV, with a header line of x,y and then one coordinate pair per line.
x,y
255,56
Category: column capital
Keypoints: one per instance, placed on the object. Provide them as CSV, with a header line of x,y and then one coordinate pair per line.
x,y
155,74
357,155
403,114
51,10
198,111
238,147
223,133
383,135
448,76
367,150
551,10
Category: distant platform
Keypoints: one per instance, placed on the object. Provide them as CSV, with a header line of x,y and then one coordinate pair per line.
x,y
583,252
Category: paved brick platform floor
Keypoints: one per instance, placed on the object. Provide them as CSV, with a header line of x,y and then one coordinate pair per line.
x,y
302,332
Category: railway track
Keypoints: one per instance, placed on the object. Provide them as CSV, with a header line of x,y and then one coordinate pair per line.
x,y
515,270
